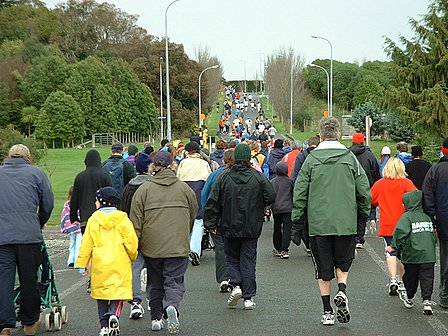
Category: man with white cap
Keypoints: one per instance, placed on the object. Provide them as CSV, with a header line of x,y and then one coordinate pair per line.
x,y
26,203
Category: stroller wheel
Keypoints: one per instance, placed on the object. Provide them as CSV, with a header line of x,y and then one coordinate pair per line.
x,y
48,322
57,321
64,314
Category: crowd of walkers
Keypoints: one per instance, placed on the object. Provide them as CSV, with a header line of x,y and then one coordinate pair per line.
x,y
139,218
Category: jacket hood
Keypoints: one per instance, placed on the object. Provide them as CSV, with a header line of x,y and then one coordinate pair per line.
x,y
413,200
278,153
358,149
93,159
405,157
165,177
281,169
241,174
329,155
109,220
140,179
219,153
444,158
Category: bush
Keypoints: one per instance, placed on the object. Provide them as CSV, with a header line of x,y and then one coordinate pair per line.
x,y
397,129
358,119
10,136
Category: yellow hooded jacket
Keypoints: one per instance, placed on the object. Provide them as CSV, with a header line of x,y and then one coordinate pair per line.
x,y
111,243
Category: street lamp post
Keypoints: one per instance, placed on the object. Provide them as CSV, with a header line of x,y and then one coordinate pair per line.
x,y
168,105
200,102
330,112
290,107
328,84
161,99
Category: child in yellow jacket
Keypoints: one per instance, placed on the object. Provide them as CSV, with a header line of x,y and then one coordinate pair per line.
x,y
111,244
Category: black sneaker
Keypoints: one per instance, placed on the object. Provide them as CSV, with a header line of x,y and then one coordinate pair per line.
x,y
194,258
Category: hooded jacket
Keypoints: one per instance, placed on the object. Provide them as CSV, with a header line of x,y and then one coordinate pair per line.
x,y
218,156
435,189
414,234
163,212
333,188
368,162
129,191
275,156
86,184
238,198
110,242
283,187
26,202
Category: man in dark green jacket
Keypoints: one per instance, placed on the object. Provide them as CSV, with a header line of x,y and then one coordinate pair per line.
x,y
414,237
333,189
238,198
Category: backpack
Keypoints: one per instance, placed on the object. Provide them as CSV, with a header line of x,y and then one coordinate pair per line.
x,y
115,170
265,165
255,164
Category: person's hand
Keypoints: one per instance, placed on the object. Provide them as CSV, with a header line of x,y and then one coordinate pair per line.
x,y
84,273
389,249
214,231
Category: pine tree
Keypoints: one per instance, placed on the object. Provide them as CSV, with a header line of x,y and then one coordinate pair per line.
x,y
419,90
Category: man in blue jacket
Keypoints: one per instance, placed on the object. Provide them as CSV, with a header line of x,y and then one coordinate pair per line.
x,y
26,202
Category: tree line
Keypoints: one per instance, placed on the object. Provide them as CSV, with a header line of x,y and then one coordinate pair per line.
x,y
87,67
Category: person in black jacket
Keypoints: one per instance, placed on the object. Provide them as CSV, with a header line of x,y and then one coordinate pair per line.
x,y
435,204
236,204
277,153
125,174
281,209
370,165
84,188
418,167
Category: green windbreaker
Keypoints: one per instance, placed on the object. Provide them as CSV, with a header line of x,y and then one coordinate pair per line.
x,y
414,233
333,188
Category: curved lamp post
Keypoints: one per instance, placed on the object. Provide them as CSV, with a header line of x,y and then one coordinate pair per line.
x,y
168,105
200,102
330,110
328,84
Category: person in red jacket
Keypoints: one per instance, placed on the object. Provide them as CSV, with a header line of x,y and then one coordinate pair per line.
x,y
290,158
387,193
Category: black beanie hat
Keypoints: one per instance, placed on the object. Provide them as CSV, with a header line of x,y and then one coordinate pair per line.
x,y
142,163
108,196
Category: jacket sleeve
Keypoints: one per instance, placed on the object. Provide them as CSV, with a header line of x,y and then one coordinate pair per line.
x,y
375,192
401,232
300,195
268,191
137,212
193,205
207,188
212,209
375,170
46,200
130,240
296,167
74,202
363,197
429,194
85,251
130,172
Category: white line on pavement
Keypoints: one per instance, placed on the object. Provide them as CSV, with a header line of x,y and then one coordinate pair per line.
x,y
433,321
72,288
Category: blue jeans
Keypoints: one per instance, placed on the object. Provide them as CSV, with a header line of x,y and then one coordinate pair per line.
x,y
137,267
27,258
196,236
241,257
73,250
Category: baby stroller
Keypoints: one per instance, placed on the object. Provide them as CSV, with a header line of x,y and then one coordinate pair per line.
x,y
55,314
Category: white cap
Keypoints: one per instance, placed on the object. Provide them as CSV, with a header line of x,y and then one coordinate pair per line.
x,y
386,150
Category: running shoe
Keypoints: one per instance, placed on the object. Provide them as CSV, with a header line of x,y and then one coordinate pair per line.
x,y
114,326
249,304
327,318
172,322
234,297
137,311
343,313
427,307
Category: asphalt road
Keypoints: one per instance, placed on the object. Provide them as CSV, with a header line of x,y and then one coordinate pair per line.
x,y
288,301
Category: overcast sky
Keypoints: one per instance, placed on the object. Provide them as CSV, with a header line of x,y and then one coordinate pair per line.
x,y
241,32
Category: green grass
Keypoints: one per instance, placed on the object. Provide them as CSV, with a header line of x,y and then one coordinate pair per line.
x,y
62,166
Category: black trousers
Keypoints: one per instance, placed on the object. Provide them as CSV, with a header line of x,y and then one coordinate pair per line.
x,y
106,308
26,258
282,231
415,273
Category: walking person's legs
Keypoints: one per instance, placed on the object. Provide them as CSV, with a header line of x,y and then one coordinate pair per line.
x,y
277,234
221,271
7,277
137,310
286,234
248,261
156,286
196,241
232,249
443,288
426,276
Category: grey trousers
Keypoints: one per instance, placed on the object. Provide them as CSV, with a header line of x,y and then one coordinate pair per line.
x,y
106,308
222,273
166,283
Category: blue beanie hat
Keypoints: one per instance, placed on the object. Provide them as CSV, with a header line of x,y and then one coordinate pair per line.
x,y
142,163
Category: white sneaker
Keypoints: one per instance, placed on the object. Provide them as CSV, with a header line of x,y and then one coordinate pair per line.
x,y
156,325
427,307
137,311
343,313
114,326
234,297
393,287
327,318
249,304
104,331
172,321
372,226
359,245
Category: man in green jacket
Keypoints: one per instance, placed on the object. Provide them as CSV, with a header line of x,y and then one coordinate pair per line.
x,y
333,189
